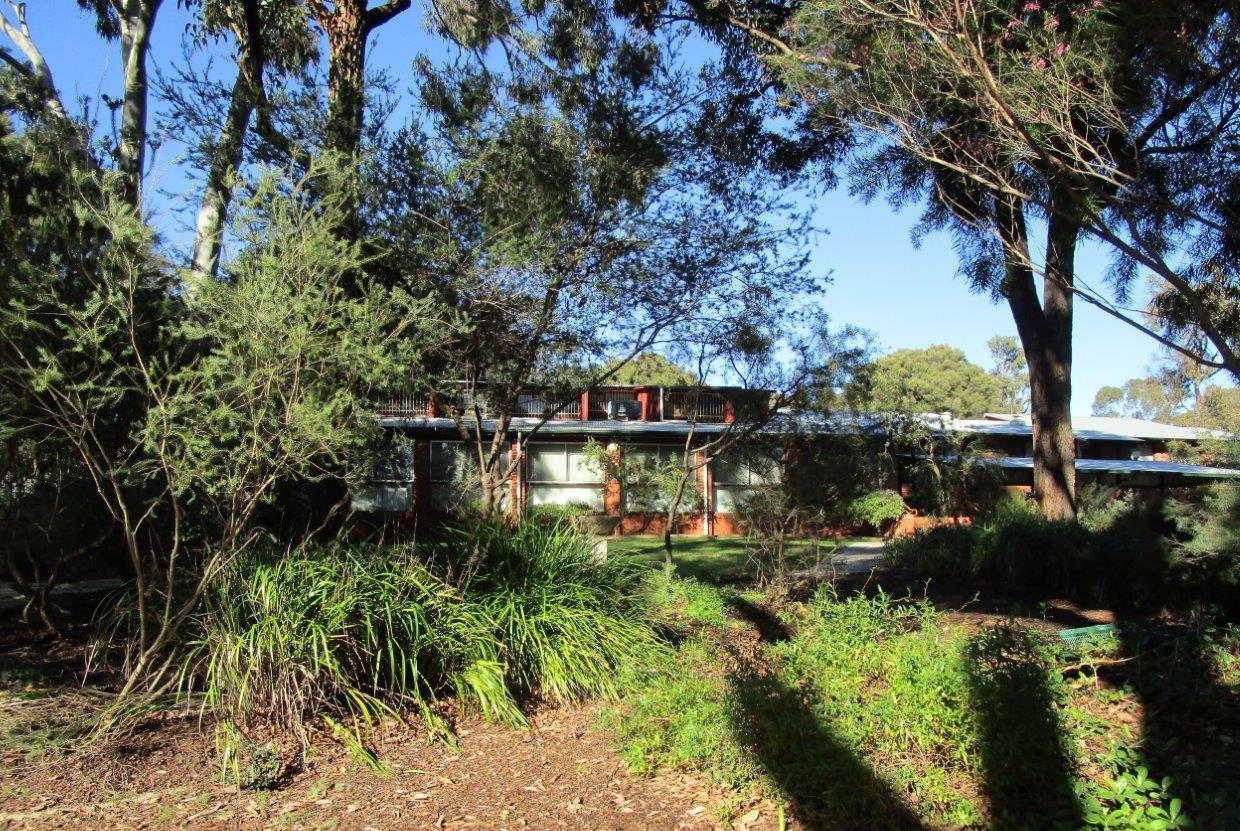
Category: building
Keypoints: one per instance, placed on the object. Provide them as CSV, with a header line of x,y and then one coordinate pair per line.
x,y
430,471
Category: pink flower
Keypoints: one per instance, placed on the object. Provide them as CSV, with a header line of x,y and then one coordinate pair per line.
x,y
1051,22
1097,4
1061,48
1040,63
1033,6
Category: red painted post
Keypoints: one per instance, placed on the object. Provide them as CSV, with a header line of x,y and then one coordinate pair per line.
x,y
611,485
584,404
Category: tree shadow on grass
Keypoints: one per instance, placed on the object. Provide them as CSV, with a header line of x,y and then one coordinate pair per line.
x,y
827,784
1190,728
1027,773
1026,768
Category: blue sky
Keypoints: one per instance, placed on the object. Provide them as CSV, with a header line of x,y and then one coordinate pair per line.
x,y
909,297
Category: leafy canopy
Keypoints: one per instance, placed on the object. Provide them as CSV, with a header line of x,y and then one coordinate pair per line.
x,y
936,379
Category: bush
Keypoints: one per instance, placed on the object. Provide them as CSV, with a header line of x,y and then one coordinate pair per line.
x,y
356,634
876,509
1122,562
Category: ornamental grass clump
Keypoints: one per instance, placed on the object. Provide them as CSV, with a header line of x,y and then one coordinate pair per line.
x,y
566,623
346,636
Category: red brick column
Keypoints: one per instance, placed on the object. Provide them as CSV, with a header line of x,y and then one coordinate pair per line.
x,y
706,506
515,508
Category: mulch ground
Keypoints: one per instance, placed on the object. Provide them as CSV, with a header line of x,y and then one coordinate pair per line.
x,y
560,774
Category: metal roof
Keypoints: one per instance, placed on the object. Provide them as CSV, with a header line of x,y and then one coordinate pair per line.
x,y
1129,466
1087,428
1090,427
565,426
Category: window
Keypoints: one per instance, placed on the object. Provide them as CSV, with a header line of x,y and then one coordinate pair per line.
x,y
644,462
558,476
390,485
454,475
740,472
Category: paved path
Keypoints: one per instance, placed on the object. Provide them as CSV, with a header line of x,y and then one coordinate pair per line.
x,y
855,558
10,598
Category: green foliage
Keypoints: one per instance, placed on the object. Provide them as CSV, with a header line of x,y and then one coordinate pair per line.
x,y
1154,398
293,344
872,703
1010,372
1124,561
358,634
932,380
876,509
651,368
558,513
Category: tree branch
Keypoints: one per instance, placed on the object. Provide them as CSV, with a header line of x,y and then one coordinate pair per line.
x,y
381,14
38,72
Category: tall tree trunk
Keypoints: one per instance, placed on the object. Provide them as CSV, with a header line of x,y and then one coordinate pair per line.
x,y
1045,329
217,194
346,77
247,94
347,24
136,24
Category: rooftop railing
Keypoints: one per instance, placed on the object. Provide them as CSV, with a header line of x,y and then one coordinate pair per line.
x,y
410,405
703,406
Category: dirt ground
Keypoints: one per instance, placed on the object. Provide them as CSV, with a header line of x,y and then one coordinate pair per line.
x,y
560,774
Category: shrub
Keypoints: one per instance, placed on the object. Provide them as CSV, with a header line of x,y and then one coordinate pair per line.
x,y
876,509
943,552
355,634
1014,547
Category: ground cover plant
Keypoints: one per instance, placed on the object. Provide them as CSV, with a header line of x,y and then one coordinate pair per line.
x,y
874,712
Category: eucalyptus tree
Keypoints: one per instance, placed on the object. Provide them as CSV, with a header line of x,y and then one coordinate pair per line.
x,y
131,23
1019,119
266,34
348,24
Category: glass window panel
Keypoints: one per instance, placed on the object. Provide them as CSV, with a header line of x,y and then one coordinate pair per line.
x,y
446,460
383,496
729,470
577,471
394,463
727,498
590,497
547,463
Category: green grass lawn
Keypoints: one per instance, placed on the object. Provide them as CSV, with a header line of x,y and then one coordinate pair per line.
x,y
715,559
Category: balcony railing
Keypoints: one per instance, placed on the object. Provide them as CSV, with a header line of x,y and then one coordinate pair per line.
x,y
407,405
537,405
702,406
599,399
